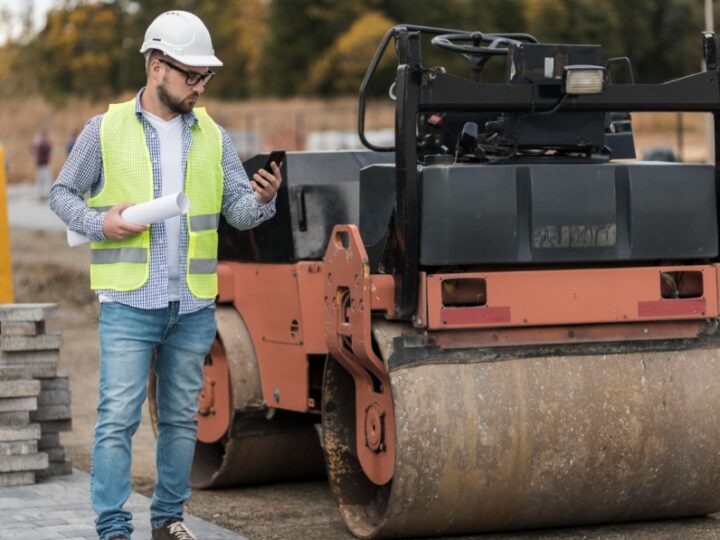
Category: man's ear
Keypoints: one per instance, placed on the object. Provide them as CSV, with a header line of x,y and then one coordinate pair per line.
x,y
155,66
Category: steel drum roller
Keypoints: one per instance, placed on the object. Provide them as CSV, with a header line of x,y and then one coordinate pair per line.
x,y
534,442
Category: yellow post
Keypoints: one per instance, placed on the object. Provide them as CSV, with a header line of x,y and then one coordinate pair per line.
x,y
6,284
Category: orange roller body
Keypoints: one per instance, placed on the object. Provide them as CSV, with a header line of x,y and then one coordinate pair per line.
x,y
499,321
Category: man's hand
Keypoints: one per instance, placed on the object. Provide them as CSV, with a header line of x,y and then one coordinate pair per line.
x,y
117,228
266,184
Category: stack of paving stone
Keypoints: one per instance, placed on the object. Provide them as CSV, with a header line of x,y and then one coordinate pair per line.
x,y
19,456
34,400
53,415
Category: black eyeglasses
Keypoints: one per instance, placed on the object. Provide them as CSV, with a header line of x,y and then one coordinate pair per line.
x,y
191,77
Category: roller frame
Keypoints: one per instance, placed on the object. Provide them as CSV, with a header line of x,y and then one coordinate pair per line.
x,y
348,309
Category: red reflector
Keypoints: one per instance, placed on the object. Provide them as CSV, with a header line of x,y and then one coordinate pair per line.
x,y
436,120
670,308
475,315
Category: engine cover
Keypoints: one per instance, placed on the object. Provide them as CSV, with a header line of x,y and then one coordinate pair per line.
x,y
552,213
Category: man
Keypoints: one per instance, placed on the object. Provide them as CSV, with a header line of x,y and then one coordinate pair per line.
x,y
41,149
157,284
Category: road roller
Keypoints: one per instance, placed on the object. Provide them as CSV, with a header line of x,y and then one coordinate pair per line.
x,y
503,321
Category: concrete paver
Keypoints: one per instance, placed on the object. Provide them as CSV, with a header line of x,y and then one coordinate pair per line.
x,y
59,508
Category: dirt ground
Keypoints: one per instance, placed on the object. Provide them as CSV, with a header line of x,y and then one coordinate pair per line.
x,y
46,270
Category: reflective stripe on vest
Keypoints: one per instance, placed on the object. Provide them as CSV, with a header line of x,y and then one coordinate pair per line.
x,y
110,256
125,265
203,266
203,223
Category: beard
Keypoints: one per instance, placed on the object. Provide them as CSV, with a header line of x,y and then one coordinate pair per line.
x,y
178,106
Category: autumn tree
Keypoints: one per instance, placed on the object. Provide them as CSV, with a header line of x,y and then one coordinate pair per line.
x,y
77,51
300,32
341,68
286,47
239,30
661,37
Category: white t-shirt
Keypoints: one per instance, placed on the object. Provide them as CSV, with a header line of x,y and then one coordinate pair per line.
x,y
169,133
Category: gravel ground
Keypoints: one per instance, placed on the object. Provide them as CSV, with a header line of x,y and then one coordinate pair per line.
x,y
46,270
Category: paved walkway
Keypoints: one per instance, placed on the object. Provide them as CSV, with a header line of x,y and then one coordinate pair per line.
x,y
58,508
27,211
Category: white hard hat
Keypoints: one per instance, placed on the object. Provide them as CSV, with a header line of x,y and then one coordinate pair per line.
x,y
182,36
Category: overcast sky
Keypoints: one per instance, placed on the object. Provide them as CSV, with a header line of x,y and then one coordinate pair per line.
x,y
17,7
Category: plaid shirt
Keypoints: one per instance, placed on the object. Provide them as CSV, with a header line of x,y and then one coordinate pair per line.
x,y
83,172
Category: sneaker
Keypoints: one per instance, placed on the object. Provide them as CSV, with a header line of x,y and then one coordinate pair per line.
x,y
173,529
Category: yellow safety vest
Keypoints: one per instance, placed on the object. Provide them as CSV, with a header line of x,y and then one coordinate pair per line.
x,y
125,265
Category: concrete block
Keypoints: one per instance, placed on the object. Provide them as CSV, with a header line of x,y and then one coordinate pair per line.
x,y
13,479
53,397
30,462
19,433
15,448
18,404
27,371
51,356
55,468
55,454
22,328
50,412
48,440
19,388
15,418
61,382
43,342
27,312
55,426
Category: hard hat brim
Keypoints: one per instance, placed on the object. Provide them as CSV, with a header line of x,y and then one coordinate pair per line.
x,y
209,60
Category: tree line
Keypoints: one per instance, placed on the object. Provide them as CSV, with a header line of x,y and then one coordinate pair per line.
x,y
89,48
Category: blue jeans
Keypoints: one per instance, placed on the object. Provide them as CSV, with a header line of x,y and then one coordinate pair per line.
x,y
128,337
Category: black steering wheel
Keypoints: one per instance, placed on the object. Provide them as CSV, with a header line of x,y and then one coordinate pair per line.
x,y
445,38
453,42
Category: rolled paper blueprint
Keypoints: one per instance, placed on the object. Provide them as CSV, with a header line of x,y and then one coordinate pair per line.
x,y
145,213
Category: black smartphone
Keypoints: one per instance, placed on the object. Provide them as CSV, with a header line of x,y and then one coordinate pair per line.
x,y
278,156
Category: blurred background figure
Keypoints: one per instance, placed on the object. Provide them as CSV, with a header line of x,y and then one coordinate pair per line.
x,y
659,152
41,149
